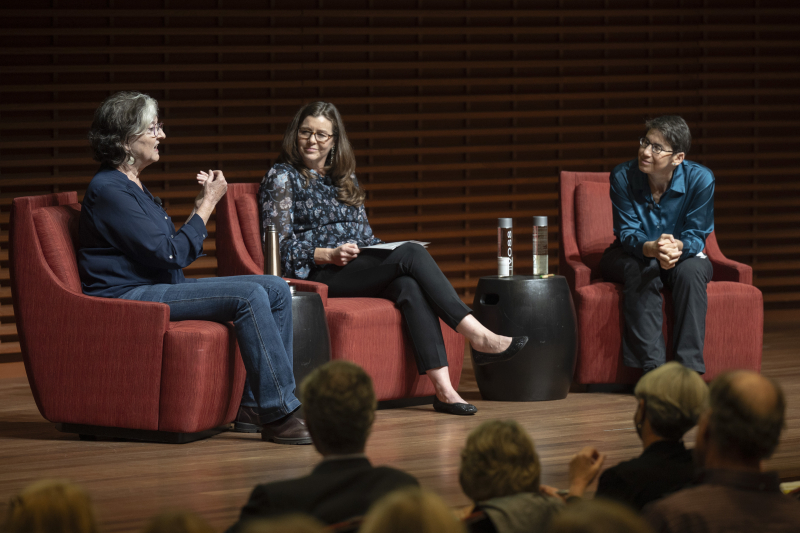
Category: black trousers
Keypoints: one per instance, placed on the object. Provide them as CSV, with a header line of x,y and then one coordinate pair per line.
x,y
410,278
643,341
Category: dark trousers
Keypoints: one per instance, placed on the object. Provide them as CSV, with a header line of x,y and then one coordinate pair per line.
x,y
409,277
642,280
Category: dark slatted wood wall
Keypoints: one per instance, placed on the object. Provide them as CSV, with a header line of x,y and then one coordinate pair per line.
x,y
461,111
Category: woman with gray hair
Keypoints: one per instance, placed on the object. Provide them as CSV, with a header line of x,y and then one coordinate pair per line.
x,y
669,402
129,249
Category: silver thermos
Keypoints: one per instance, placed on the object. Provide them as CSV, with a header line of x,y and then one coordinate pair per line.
x,y
272,255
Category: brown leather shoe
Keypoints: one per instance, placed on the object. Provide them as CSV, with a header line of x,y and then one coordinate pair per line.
x,y
286,430
246,420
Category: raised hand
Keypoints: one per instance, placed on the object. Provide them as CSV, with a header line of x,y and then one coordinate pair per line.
x,y
583,469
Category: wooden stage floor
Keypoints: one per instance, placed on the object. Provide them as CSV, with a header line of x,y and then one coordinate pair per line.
x,y
131,481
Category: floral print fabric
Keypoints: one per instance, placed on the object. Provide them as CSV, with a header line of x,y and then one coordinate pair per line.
x,y
307,218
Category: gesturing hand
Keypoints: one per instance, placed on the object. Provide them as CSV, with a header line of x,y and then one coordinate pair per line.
x,y
583,468
344,254
214,187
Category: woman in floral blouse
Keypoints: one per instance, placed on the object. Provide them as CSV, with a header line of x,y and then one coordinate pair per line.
x,y
313,198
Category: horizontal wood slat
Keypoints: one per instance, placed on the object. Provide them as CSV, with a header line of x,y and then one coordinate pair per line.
x,y
459,111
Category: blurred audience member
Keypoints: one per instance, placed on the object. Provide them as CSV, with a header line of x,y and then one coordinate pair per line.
x,y
411,510
599,516
178,522
500,472
339,404
670,400
291,523
740,429
50,506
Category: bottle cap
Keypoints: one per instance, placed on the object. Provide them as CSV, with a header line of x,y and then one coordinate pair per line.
x,y
505,223
540,221
271,227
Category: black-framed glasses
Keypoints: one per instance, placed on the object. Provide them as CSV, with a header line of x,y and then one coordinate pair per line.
x,y
320,136
154,129
657,148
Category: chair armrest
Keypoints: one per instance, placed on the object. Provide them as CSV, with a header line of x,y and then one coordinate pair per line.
x,y
311,286
578,275
726,269
93,360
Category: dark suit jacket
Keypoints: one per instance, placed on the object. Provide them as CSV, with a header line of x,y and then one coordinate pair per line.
x,y
336,490
663,468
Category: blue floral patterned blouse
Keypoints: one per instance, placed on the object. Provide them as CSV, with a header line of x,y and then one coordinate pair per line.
x,y
308,218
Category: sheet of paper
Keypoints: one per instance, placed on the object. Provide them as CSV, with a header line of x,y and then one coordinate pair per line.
x,y
393,245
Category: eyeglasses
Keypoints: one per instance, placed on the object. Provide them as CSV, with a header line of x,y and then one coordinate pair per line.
x,y
657,148
155,129
320,136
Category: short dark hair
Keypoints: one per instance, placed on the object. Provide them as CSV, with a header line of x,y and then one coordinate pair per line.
x,y
339,404
674,129
119,118
738,428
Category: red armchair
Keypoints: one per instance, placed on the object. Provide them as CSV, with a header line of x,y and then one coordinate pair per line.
x,y
109,367
735,318
366,331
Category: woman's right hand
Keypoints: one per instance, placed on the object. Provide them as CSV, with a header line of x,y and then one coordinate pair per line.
x,y
339,256
214,188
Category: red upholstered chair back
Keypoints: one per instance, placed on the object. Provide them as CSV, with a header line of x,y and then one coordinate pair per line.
x,y
57,231
594,222
238,235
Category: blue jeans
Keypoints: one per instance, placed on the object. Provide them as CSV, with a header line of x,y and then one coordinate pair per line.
x,y
260,308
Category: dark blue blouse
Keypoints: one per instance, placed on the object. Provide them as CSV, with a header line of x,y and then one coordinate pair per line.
x,y
685,210
307,218
127,240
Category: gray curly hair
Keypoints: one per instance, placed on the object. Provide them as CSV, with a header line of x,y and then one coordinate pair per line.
x,y
121,117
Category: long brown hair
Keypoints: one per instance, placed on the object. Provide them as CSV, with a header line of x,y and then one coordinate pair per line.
x,y
340,166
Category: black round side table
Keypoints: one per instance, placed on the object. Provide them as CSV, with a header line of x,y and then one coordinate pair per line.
x,y
543,310
310,336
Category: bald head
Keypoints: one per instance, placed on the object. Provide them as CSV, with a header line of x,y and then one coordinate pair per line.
x,y
747,414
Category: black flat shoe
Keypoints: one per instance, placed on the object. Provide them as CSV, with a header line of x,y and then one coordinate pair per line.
x,y
516,345
454,408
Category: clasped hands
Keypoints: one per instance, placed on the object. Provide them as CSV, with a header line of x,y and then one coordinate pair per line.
x,y
666,249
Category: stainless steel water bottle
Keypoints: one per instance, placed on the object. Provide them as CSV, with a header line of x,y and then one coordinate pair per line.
x,y
272,255
505,252
540,257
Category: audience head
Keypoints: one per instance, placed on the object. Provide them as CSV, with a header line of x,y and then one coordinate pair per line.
x,y
674,130
598,516
339,404
121,118
290,523
499,459
671,398
339,160
411,510
50,506
177,522
744,420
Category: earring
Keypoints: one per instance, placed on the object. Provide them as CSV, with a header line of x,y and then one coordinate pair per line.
x,y
131,160
333,151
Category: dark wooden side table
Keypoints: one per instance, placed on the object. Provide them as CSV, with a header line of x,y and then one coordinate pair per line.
x,y
543,310
310,336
